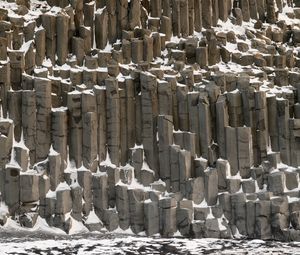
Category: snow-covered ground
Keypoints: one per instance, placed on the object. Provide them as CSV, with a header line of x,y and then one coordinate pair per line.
x,y
18,243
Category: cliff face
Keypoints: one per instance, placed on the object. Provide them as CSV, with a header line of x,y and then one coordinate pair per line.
x,y
152,115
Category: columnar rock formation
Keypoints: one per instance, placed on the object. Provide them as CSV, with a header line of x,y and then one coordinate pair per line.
x,y
159,116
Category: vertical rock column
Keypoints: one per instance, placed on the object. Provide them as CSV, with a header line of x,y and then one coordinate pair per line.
x,y
3,48
253,9
207,14
49,23
122,19
156,8
62,28
59,130
165,134
223,10
244,151
271,15
29,122
191,10
244,5
235,109
198,15
176,18
112,20
222,120
90,128
166,27
261,125
204,126
4,85
272,122
193,100
215,12
88,11
164,98
75,127
182,91
100,93
294,126
124,124
43,117
231,149
130,112
15,111
134,17
184,18
113,119
40,45
261,9
283,129
78,16
101,27
17,67
149,118
147,48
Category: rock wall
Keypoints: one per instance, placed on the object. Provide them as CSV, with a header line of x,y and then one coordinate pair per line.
x,y
158,116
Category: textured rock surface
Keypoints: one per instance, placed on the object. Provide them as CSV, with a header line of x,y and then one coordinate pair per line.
x,y
155,116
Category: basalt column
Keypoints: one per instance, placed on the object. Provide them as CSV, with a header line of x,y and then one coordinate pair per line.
x,y
29,122
204,126
75,127
207,14
43,117
134,17
149,118
184,18
88,11
165,134
215,12
101,27
100,93
222,120
130,112
89,141
17,67
123,124
62,28
113,119
176,17
122,19
112,20
3,48
49,23
4,85
198,15
223,10
40,45
15,111
59,129
283,129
